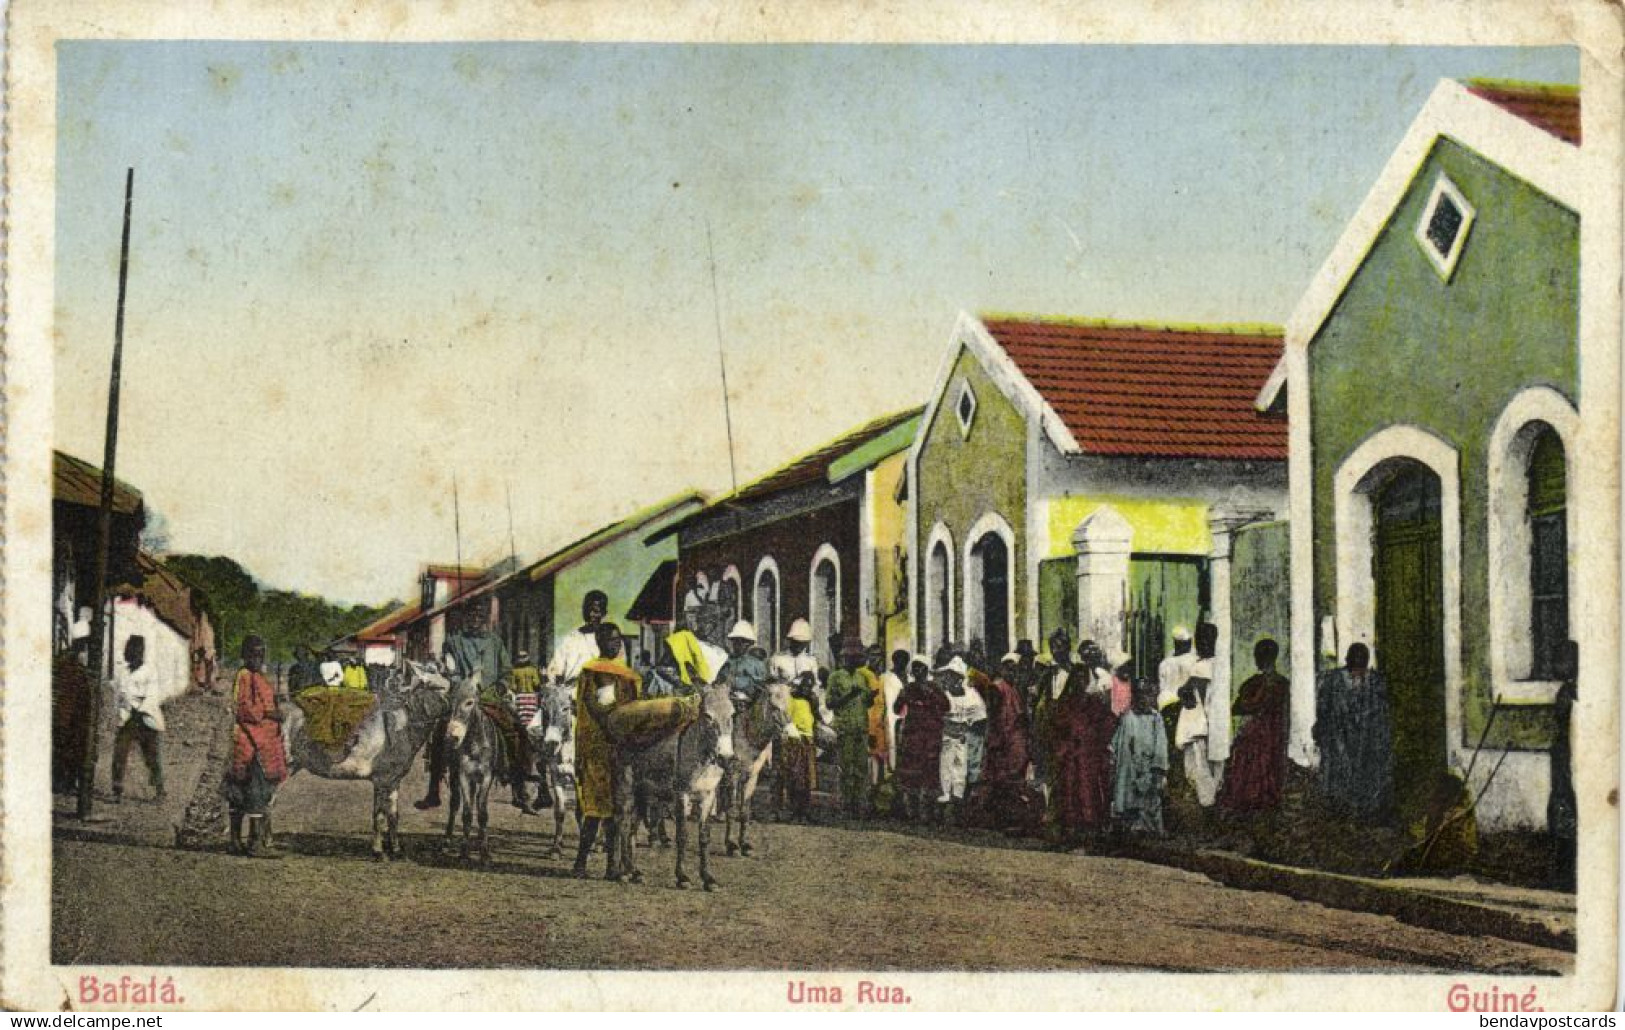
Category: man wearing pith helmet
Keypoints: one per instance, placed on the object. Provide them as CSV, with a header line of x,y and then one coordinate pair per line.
x,y
796,661
745,671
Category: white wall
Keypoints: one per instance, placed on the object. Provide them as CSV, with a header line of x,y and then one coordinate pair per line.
x,y
169,653
1244,484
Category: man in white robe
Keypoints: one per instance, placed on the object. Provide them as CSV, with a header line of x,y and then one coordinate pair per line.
x,y
1198,707
797,663
580,646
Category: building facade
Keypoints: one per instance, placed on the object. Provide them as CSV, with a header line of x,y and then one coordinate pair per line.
x,y
817,539
1434,377
1089,475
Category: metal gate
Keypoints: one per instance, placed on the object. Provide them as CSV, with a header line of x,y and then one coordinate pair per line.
x,y
1163,591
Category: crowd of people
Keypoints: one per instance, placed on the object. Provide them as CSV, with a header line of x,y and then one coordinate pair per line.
x,y
1063,743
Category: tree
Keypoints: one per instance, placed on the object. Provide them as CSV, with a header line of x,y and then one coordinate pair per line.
x,y
285,619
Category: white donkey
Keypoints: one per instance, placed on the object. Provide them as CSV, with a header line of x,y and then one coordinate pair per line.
x,y
382,748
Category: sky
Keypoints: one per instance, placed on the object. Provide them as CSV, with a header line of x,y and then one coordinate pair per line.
x,y
361,271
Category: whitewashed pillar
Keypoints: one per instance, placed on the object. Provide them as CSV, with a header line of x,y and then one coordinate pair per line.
x,y
1222,524
1103,541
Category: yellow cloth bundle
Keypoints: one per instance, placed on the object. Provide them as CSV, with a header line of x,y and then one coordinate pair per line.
x,y
333,713
638,724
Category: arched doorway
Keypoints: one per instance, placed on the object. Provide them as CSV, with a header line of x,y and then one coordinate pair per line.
x,y
990,566
1408,581
939,605
766,607
824,606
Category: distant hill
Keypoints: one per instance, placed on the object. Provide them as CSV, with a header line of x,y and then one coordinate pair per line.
x,y
240,605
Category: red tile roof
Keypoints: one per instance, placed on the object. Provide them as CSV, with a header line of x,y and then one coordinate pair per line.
x,y
1555,109
1152,391
815,464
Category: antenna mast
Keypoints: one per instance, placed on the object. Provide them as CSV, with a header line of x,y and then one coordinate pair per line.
x,y
722,359
457,528
513,548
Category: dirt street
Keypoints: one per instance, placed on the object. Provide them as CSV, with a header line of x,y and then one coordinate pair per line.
x,y
821,897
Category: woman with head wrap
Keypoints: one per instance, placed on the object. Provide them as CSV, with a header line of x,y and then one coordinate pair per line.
x,y
1082,726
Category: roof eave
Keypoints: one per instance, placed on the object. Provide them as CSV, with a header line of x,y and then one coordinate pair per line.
x,y
1014,383
1272,386
1521,148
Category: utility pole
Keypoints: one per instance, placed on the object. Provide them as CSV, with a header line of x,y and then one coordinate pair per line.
x,y
98,592
513,548
457,528
722,359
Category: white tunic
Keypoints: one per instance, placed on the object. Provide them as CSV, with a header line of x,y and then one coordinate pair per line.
x,y
1193,723
574,651
1171,675
133,690
891,687
786,667
1218,712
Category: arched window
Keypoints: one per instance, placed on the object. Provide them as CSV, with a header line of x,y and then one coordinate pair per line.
x,y
1547,510
1530,530
765,608
824,603
730,595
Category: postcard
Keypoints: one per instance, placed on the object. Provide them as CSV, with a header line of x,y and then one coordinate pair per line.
x,y
970,506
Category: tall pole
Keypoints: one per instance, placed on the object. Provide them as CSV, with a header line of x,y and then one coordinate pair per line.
x,y
722,359
457,528
98,593
513,548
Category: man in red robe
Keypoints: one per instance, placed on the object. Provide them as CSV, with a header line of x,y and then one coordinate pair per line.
x,y
1252,783
258,763
924,709
1082,728
1004,766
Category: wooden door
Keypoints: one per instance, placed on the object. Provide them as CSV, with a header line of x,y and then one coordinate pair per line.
x,y
994,561
1408,570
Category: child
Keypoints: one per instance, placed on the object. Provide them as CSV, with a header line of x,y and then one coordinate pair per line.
x,y
1140,755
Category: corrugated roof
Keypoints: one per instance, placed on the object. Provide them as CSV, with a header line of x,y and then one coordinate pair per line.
x,y
1148,390
815,464
385,626
611,533
448,570
573,552
79,482
1554,108
866,456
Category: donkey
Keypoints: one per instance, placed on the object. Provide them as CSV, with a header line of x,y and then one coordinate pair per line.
x,y
474,760
384,746
682,773
552,730
756,727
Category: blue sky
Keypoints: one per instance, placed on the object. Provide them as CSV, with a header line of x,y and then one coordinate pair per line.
x,y
358,268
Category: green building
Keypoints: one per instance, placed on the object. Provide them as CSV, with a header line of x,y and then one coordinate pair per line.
x,y
533,606
1095,476
1432,371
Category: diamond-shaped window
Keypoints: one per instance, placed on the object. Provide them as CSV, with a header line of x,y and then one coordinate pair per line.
x,y
965,408
1442,230
1444,226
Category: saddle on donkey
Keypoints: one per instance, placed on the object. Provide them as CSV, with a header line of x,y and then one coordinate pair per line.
x,y
332,714
635,725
